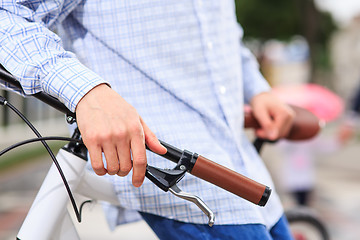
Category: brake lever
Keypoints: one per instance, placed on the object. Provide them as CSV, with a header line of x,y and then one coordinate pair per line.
x,y
194,199
166,179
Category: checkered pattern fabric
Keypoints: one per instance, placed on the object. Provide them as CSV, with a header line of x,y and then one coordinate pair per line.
x,y
180,63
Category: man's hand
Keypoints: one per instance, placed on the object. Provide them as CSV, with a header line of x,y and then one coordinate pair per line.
x,y
274,116
110,125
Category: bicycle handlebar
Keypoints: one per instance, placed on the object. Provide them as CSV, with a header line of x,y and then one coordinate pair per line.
x,y
203,168
42,96
231,181
219,175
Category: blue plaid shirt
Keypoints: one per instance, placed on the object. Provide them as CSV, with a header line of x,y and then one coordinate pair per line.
x,y
179,63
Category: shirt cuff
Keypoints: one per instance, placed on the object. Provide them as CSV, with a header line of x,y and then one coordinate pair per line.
x,y
69,81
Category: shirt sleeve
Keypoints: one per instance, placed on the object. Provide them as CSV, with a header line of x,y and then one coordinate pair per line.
x,y
34,55
254,82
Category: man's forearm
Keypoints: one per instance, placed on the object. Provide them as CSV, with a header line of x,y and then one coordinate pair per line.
x,y
34,56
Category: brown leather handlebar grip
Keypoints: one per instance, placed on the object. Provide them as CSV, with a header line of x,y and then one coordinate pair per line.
x,y
231,181
305,125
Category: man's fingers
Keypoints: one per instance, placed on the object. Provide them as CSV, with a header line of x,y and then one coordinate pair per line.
x,y
268,129
97,164
139,160
284,120
274,118
152,141
112,160
123,149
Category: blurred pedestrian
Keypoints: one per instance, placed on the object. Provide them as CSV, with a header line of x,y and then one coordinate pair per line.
x,y
298,171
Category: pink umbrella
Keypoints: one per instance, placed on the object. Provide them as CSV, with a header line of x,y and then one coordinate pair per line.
x,y
319,100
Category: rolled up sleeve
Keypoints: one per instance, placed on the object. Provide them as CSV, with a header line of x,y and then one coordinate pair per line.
x,y
34,55
254,82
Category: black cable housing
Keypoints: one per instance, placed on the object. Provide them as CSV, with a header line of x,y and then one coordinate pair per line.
x,y
4,102
31,140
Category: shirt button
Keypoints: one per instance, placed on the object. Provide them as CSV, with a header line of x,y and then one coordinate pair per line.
x,y
210,45
222,89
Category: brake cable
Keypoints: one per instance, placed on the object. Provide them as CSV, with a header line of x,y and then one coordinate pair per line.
x,y
4,102
31,140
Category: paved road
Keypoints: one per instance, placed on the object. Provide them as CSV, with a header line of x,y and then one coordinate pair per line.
x,y
336,199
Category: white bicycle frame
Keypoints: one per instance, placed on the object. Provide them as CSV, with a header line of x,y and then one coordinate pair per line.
x,y
48,217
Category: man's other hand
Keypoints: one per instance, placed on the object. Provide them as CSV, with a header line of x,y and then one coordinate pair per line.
x,y
274,116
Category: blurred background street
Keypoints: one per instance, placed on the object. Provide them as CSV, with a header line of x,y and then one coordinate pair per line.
x,y
296,42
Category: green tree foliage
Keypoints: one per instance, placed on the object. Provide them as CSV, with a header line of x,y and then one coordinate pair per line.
x,y
264,19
